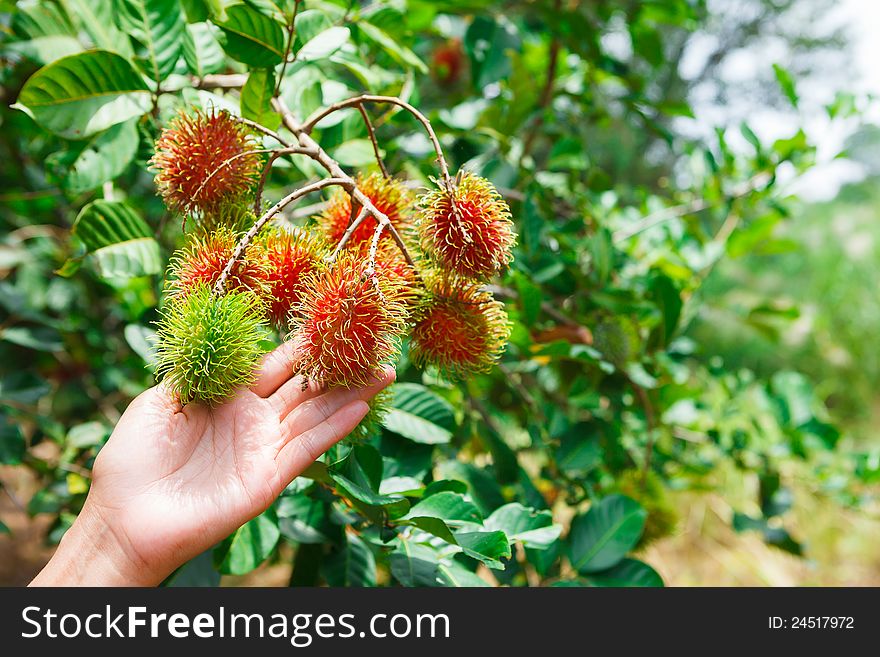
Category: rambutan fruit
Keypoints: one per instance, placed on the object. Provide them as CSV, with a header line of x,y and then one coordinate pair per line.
x,y
209,344
390,196
348,323
371,425
467,229
202,259
291,258
448,61
617,339
204,160
460,328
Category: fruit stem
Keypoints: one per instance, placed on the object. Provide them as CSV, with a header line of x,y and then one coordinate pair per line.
x,y
372,133
245,241
309,124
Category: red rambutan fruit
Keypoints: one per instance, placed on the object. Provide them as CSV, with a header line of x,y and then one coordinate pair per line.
x,y
467,229
348,323
204,160
291,257
390,196
448,61
460,329
202,259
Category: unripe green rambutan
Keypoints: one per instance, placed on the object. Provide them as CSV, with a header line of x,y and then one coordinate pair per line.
x,y
650,491
617,339
209,345
291,258
348,323
204,160
390,196
460,328
371,425
467,230
202,259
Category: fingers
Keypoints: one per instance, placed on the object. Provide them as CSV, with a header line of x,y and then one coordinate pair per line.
x,y
301,412
292,393
305,448
277,368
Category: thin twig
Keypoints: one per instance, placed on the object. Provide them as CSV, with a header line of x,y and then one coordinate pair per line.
x,y
309,124
372,134
696,205
333,168
245,241
290,150
225,163
261,128
348,233
291,37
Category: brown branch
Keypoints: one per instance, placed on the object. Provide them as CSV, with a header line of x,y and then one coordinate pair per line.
x,y
372,133
220,81
245,241
321,157
309,124
289,150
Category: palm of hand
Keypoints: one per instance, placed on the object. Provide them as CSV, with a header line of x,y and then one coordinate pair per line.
x,y
174,481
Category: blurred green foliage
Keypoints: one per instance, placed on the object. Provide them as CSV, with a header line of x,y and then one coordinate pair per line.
x,y
625,374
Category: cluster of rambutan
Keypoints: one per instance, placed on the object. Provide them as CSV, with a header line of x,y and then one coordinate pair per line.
x,y
346,313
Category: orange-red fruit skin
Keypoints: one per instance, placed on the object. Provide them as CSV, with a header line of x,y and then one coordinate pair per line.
x,y
291,259
348,323
391,197
202,259
461,329
204,160
467,230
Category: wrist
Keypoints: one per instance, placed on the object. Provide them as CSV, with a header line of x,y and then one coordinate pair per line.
x,y
92,553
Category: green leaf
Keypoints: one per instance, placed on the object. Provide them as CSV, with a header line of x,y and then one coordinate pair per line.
x,y
487,547
323,45
249,545
87,434
302,519
629,572
451,507
12,445
142,341
251,37
456,575
23,387
534,529
352,564
786,83
201,50
80,95
401,54
198,571
97,19
159,27
41,338
394,505
482,485
3,528
118,240
419,414
256,98
89,164
600,538
530,297
47,49
434,526
414,565
355,153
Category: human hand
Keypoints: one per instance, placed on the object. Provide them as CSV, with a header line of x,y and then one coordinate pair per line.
x,y
172,481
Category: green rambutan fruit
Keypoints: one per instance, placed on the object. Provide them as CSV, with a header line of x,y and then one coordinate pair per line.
x,y
209,345
663,518
390,196
371,425
467,229
460,328
205,160
291,258
348,323
202,260
617,339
